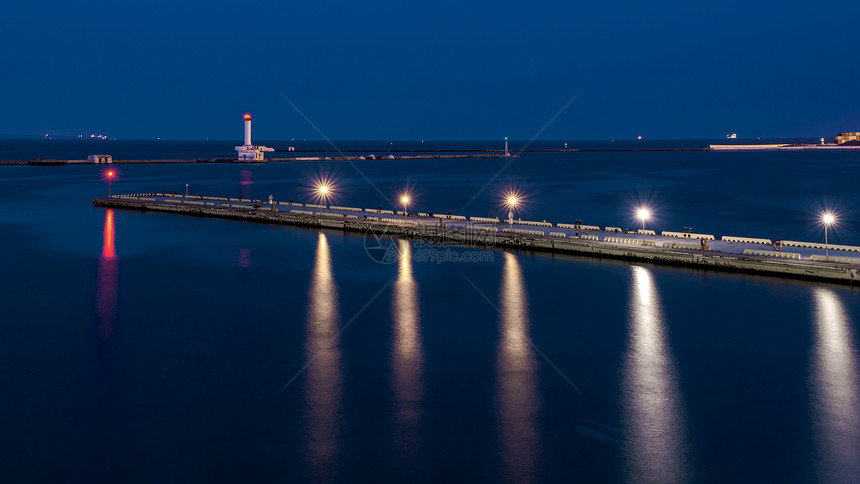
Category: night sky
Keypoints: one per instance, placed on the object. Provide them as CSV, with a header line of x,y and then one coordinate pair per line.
x,y
430,70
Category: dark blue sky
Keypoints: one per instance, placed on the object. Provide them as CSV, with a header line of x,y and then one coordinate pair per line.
x,y
430,70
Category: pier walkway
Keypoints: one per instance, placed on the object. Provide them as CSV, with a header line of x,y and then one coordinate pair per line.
x,y
731,252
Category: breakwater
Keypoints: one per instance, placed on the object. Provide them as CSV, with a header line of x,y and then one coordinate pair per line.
x,y
386,156
702,251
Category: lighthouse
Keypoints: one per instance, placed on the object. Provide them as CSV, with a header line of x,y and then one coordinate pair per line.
x,y
249,152
247,129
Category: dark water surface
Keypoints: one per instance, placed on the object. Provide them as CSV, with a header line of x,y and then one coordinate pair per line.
x,y
151,347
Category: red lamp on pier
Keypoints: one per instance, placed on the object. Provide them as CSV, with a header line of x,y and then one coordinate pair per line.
x,y
109,176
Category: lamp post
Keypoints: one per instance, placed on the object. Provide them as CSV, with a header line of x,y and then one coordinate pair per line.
x,y
644,214
405,201
827,219
110,174
512,204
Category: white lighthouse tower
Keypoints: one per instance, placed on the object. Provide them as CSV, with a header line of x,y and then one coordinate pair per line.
x,y
249,152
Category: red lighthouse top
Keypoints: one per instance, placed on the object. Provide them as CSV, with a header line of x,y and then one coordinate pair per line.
x,y
247,116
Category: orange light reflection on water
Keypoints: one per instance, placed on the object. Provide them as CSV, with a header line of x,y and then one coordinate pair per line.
x,y
407,355
654,427
516,379
835,389
324,375
107,284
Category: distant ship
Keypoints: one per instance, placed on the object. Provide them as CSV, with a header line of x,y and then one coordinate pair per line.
x,y
732,136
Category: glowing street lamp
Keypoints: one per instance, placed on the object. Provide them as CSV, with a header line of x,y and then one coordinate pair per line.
x,y
644,214
512,204
323,192
110,176
405,201
322,189
827,219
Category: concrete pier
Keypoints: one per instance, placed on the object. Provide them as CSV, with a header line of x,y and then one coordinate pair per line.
x,y
801,260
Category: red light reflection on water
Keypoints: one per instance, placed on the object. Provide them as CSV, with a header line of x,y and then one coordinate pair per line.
x,y
107,284
246,181
244,261
108,250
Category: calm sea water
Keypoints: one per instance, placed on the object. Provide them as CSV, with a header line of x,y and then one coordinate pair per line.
x,y
149,347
